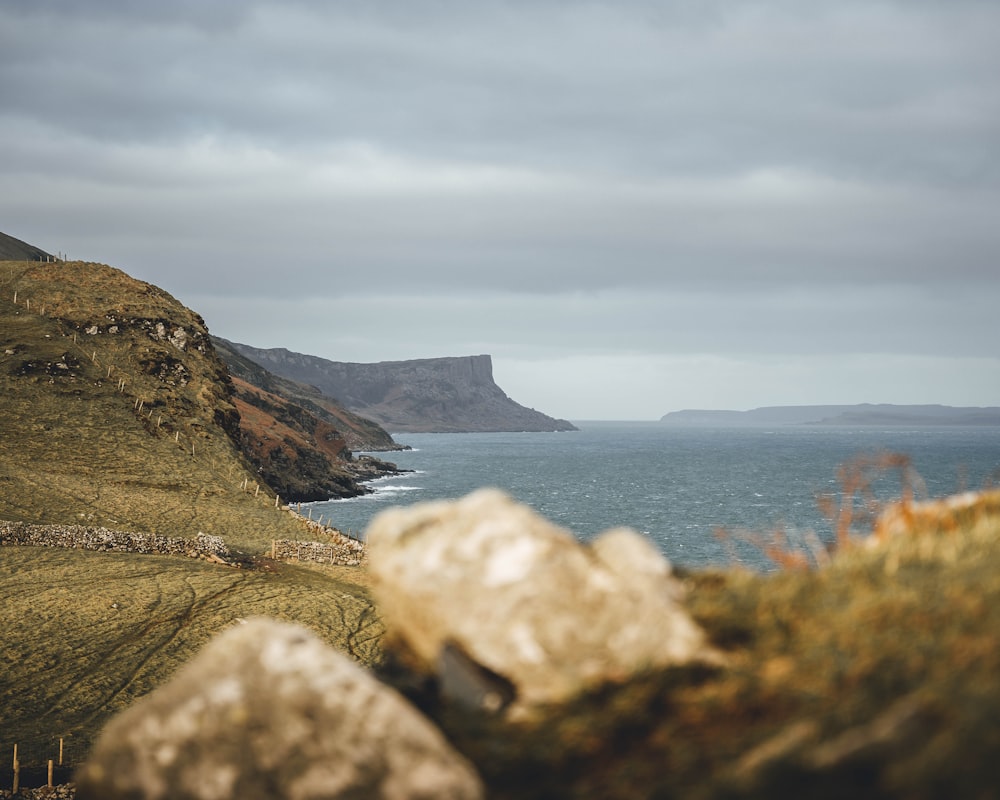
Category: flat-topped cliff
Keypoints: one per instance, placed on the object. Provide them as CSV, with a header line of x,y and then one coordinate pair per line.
x,y
440,395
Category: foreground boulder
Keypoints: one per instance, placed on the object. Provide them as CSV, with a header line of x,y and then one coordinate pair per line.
x,y
505,608
269,711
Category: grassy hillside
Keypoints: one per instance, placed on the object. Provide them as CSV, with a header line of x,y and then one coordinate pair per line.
x,y
116,411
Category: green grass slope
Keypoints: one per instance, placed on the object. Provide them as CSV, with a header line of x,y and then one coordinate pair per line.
x,y
116,411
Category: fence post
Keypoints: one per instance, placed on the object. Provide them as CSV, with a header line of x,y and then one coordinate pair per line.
x,y
50,773
60,750
17,773
274,549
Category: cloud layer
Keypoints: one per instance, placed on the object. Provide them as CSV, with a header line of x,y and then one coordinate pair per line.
x,y
626,203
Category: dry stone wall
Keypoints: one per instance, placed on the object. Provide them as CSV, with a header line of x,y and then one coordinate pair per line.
x,y
345,551
80,537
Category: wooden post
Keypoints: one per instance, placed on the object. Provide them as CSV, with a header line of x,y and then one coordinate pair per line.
x,y
256,489
60,750
177,436
274,548
27,304
276,500
17,774
50,773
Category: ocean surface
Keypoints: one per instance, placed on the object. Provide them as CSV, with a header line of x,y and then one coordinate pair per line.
x,y
678,486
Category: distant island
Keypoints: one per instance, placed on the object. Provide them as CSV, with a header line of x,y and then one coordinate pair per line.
x,y
861,414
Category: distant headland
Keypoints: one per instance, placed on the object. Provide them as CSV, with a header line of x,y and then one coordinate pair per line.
x,y
861,414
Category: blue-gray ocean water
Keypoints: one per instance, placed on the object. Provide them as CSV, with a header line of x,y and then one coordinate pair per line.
x,y
675,485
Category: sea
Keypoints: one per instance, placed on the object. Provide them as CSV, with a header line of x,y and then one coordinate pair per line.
x,y
704,496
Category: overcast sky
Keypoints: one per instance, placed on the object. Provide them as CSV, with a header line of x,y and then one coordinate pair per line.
x,y
635,206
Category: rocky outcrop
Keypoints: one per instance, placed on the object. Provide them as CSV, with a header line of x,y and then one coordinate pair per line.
x,y
485,586
267,712
421,395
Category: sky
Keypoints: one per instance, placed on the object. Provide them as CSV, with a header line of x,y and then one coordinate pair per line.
x,y
634,206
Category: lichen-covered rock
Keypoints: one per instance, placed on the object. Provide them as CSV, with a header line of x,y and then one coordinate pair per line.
x,y
267,710
485,587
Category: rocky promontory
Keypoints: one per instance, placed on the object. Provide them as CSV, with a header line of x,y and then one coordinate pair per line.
x,y
439,395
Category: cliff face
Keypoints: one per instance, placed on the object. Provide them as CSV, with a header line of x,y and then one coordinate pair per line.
x,y
422,395
357,432
300,440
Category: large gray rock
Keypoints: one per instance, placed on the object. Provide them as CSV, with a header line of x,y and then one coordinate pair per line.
x,y
269,711
484,592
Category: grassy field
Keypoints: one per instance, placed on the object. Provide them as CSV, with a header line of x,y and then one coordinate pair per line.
x,y
83,634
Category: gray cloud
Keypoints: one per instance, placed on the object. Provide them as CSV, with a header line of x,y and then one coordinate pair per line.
x,y
542,179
